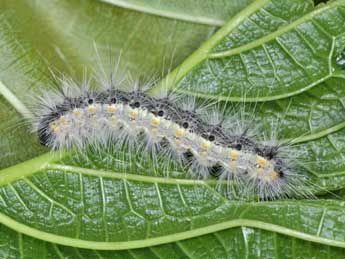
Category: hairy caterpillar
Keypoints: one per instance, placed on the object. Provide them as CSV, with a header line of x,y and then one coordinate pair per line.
x,y
196,134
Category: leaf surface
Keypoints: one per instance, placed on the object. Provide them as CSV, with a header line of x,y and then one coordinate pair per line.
x,y
60,207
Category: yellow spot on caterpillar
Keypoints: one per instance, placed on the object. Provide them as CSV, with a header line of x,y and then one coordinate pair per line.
x,y
205,145
113,119
155,121
133,114
273,175
63,120
234,155
111,108
91,109
76,113
262,162
180,133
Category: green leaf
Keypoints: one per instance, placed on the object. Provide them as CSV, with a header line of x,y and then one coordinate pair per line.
x,y
107,202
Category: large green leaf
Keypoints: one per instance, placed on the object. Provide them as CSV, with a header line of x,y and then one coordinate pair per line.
x,y
109,202
97,209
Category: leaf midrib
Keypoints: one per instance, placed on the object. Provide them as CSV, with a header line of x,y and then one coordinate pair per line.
x,y
127,176
202,53
261,99
47,162
168,14
277,33
53,238
316,135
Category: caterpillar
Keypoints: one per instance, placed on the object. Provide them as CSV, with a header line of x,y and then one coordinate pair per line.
x,y
183,129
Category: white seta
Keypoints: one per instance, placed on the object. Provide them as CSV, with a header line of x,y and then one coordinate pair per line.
x,y
85,117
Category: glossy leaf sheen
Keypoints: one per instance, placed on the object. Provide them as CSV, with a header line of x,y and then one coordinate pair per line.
x,y
109,203
72,206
